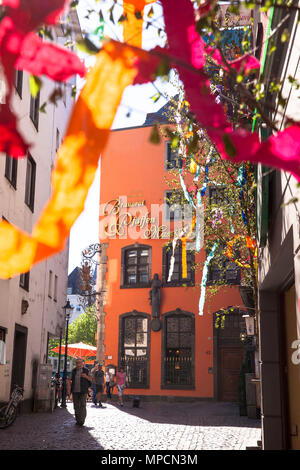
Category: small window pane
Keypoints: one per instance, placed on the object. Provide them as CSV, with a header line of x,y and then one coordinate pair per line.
x,y
172,340
30,183
185,324
11,166
172,324
136,267
24,280
142,324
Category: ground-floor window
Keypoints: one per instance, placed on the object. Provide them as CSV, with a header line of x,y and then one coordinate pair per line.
x,y
178,344
134,348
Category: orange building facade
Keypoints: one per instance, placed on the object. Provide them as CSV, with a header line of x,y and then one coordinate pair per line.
x,y
165,346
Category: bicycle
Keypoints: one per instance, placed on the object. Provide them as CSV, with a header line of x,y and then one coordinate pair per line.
x,y
8,412
55,392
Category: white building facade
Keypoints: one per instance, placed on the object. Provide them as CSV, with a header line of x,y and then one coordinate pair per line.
x,y
31,305
279,255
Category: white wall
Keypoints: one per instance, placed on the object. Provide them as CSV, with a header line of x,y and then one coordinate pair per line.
x,y
45,314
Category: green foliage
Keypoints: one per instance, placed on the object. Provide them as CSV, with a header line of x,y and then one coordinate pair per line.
x,y
83,330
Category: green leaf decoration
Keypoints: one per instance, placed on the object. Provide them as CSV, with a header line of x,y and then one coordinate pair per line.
x,y
229,146
155,137
43,107
86,46
138,15
285,35
151,12
99,32
123,18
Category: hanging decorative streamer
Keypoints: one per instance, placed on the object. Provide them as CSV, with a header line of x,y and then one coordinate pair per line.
x,y
77,162
197,174
241,181
204,277
183,154
172,261
133,11
185,191
249,243
203,189
183,258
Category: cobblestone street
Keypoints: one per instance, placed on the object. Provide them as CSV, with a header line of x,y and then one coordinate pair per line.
x,y
153,426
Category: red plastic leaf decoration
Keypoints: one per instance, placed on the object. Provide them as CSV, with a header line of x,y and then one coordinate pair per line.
x,y
21,48
281,150
11,3
42,58
246,62
11,142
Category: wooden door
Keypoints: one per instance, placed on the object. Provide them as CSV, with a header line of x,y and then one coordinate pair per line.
x,y
230,362
19,356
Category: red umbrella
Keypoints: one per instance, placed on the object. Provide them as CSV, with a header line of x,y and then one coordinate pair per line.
x,y
77,350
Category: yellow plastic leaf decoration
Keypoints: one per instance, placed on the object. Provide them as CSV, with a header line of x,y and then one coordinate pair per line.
x,y
76,164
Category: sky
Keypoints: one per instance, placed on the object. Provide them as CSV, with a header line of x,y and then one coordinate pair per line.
x,y
136,103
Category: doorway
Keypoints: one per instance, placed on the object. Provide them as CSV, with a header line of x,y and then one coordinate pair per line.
x,y
229,354
230,362
19,356
291,369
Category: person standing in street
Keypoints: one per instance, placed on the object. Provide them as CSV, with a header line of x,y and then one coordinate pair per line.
x,y
109,383
98,378
121,384
80,382
94,385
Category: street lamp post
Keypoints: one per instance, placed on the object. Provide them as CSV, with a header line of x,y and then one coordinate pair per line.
x,y
89,255
57,381
68,311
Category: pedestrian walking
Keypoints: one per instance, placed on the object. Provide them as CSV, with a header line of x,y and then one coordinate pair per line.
x,y
109,383
80,382
94,385
98,378
121,384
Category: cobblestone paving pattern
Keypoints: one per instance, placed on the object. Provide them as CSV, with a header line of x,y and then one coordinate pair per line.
x,y
153,426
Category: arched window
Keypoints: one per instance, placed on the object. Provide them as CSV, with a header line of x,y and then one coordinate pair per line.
x,y
136,266
178,350
134,348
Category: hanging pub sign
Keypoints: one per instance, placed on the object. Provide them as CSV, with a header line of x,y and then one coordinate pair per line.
x,y
230,20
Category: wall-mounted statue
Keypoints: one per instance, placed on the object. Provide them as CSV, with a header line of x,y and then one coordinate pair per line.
x,y
155,300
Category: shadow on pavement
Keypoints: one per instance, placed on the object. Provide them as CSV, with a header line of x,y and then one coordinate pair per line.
x,y
47,431
198,413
